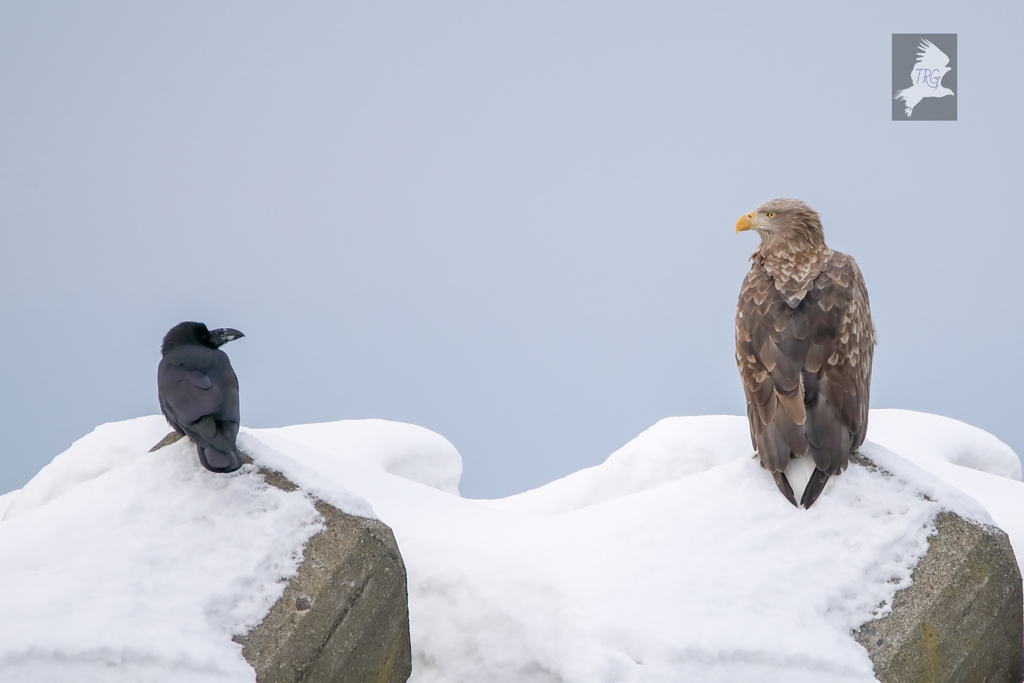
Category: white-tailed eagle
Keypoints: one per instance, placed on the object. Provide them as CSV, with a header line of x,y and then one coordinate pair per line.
x,y
804,343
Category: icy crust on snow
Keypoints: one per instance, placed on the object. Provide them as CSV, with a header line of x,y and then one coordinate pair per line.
x,y
675,559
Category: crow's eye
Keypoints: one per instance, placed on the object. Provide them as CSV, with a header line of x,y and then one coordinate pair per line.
x,y
770,214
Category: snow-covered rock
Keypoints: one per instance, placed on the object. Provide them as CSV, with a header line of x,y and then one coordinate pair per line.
x,y
345,615
962,618
962,456
676,559
122,565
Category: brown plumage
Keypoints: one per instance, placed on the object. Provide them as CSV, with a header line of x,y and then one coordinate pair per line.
x,y
804,342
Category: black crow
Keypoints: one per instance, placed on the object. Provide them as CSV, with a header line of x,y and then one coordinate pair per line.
x,y
199,392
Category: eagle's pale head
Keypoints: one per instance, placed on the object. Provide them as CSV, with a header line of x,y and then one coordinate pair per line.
x,y
784,224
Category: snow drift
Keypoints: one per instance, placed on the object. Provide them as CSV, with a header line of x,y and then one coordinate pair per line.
x,y
675,559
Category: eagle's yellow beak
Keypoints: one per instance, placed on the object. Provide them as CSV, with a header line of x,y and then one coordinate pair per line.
x,y
746,222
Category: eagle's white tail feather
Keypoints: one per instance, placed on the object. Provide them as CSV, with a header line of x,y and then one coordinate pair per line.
x,y
799,473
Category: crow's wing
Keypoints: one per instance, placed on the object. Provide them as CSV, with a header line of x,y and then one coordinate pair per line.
x,y
185,401
186,380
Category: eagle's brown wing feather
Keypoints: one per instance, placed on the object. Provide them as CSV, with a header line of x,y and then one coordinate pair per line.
x,y
806,369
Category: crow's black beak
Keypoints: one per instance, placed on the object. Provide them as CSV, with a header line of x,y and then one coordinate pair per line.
x,y
223,335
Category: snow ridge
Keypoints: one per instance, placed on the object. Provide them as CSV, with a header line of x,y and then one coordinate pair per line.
x,y
675,559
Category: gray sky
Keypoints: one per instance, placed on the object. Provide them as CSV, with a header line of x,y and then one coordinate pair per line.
x,y
511,223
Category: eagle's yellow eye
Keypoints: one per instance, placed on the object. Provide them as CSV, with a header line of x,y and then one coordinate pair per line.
x,y
770,214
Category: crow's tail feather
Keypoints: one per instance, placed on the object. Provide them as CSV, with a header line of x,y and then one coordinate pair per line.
x,y
219,461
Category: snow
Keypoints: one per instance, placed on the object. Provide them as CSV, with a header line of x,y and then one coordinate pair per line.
x,y
405,450
962,456
675,559
142,570
5,501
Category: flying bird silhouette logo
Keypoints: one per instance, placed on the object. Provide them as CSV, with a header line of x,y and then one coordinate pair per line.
x,y
932,64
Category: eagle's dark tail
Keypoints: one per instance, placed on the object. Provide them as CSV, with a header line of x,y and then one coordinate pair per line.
x,y
813,488
783,484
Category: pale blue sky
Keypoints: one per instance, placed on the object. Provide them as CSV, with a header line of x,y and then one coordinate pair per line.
x,y
511,223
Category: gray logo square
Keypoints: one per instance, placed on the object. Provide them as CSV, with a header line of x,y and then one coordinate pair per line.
x,y
924,77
